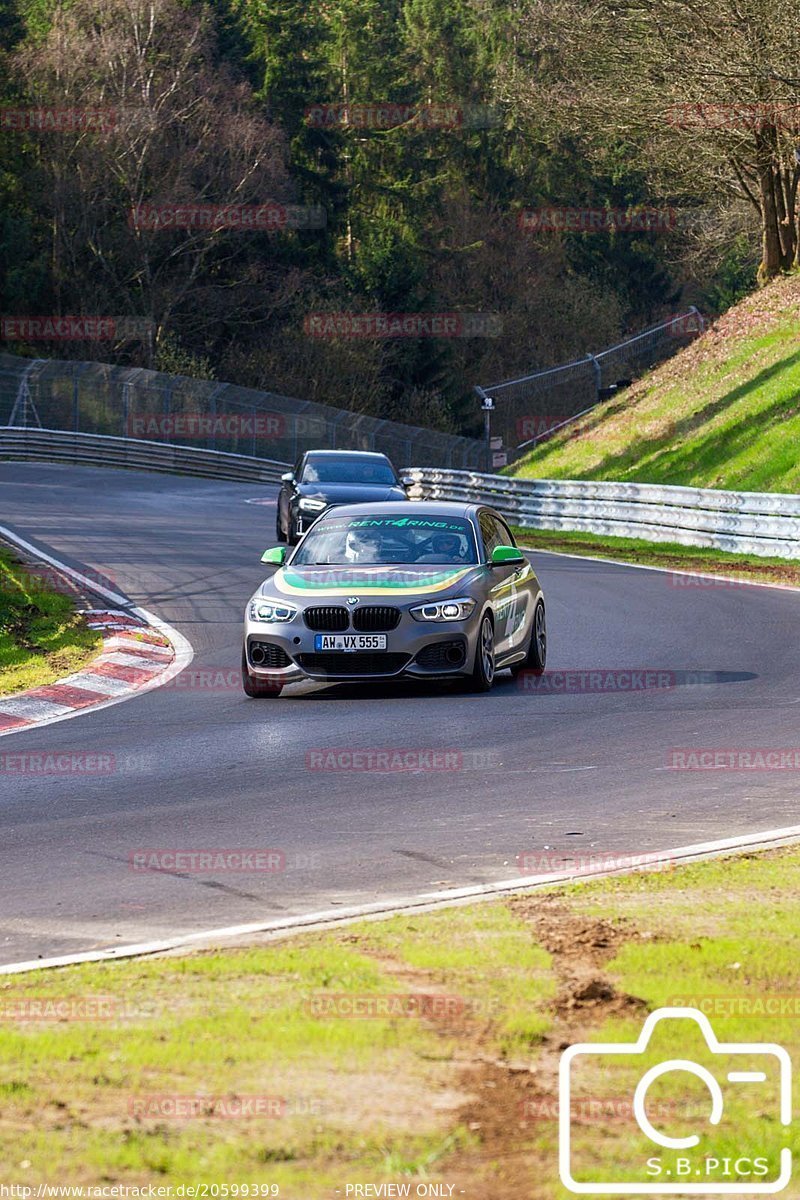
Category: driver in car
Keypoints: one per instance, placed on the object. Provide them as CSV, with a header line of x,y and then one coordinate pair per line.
x,y
363,546
445,547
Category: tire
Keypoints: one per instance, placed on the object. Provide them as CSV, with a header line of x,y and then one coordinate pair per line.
x,y
279,534
536,659
483,672
291,532
254,688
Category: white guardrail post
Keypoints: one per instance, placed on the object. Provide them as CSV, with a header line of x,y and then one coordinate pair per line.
x,y
760,523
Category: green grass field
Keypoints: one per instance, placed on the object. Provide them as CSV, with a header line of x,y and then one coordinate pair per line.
x,y
42,638
448,1072
724,412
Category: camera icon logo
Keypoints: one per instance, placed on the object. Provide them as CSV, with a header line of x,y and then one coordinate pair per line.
x,y
690,1164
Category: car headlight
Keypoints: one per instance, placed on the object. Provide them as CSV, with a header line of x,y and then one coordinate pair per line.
x,y
444,610
267,610
308,504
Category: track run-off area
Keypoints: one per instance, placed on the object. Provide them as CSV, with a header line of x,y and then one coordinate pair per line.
x,y
596,760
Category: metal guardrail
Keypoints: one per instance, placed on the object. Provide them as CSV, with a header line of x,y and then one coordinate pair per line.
x,y
89,449
761,523
532,408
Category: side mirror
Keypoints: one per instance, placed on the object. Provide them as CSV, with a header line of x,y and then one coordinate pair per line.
x,y
276,556
507,556
287,477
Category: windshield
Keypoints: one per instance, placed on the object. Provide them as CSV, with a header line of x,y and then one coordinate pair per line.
x,y
345,541
348,470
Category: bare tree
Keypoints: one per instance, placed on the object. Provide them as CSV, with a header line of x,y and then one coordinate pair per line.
x,y
702,95
176,130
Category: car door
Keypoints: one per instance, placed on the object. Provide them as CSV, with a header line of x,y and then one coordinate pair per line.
x,y
510,592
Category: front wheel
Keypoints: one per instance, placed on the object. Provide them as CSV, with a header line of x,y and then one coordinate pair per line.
x,y
257,689
483,672
279,534
536,659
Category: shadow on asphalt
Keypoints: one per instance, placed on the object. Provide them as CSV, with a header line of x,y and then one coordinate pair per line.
x,y
575,682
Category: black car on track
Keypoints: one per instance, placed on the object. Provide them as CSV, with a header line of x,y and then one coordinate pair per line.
x,y
324,478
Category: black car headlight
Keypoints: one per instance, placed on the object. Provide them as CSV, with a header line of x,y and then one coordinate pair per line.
x,y
444,610
309,505
269,612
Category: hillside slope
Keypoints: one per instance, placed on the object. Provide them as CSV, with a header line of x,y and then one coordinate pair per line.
x,y
724,412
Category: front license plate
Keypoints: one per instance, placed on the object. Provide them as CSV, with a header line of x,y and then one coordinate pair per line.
x,y
350,641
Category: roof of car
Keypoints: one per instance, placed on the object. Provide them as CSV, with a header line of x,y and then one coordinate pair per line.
x,y
428,508
344,454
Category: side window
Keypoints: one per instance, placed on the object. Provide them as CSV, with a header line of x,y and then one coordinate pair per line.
x,y
491,532
508,537
298,466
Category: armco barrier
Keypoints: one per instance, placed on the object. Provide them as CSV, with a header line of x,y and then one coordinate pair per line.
x,y
763,523
91,449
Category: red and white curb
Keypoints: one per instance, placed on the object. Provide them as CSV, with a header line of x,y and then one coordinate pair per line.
x,y
133,655
423,902
140,652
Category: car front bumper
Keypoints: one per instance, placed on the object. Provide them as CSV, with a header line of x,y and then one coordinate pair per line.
x,y
414,649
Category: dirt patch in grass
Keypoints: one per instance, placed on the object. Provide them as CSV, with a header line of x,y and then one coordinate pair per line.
x,y
580,946
507,1098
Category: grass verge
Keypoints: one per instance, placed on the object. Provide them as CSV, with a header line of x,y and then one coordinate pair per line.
x,y
722,413
669,555
42,638
418,1050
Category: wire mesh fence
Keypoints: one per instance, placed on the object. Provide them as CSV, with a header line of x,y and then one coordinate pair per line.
x,y
531,408
88,397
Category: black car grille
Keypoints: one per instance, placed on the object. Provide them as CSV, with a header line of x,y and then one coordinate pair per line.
x,y
375,618
264,654
352,663
441,656
328,618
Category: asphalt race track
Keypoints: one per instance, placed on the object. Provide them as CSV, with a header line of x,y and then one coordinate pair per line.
x,y
199,766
